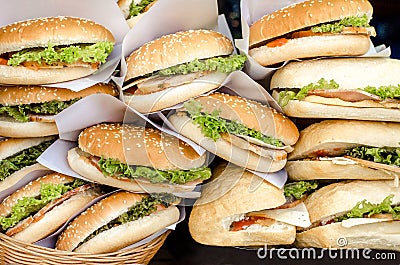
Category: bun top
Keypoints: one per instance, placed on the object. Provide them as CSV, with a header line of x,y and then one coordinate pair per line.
x,y
139,146
339,198
17,95
252,114
32,189
177,48
11,146
349,73
332,137
303,15
55,30
95,217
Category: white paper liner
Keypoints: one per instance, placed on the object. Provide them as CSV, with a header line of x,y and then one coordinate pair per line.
x,y
251,11
104,12
51,240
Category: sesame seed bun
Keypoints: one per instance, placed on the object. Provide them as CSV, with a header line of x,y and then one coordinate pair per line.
x,y
52,219
117,237
177,48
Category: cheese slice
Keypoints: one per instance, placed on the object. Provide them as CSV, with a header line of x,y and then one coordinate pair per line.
x,y
362,221
338,160
297,216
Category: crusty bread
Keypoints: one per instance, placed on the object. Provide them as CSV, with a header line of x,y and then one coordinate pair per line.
x,y
252,114
332,137
56,30
316,169
56,217
339,198
349,73
16,95
139,146
80,162
383,235
324,45
12,128
117,237
224,149
305,14
234,191
177,48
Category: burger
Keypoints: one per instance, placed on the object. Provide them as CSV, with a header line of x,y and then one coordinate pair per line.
x,y
233,212
343,149
52,49
39,208
29,111
18,158
239,130
312,29
176,67
137,159
133,10
118,221
355,214
342,88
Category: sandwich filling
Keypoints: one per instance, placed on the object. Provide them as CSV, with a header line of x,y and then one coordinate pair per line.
x,y
148,205
115,168
31,209
141,7
384,95
22,159
87,55
183,73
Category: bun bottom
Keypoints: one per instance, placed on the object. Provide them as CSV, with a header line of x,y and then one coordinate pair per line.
x,y
304,109
80,163
315,46
129,233
383,235
11,128
309,170
224,149
18,175
174,95
53,219
19,75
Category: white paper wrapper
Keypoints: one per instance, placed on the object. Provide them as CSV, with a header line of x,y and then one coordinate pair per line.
x,y
238,83
51,240
105,12
251,11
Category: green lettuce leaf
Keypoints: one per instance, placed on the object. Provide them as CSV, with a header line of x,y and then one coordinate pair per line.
x,y
113,167
28,206
388,156
367,209
299,188
22,159
135,10
93,53
20,112
212,125
337,27
384,92
218,64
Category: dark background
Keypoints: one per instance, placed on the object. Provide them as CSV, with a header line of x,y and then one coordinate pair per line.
x,y
181,249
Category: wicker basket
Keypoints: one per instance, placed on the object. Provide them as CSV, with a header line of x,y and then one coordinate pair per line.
x,y
17,252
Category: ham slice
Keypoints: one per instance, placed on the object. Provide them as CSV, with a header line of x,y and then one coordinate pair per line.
x,y
41,117
370,31
344,94
375,165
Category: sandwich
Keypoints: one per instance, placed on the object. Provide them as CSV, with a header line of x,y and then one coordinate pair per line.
x,y
342,88
355,214
39,208
239,130
346,149
118,221
176,67
52,49
312,29
133,10
29,111
232,211
18,158
137,159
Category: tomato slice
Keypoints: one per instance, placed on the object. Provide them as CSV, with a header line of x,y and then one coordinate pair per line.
x,y
246,222
277,42
3,61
